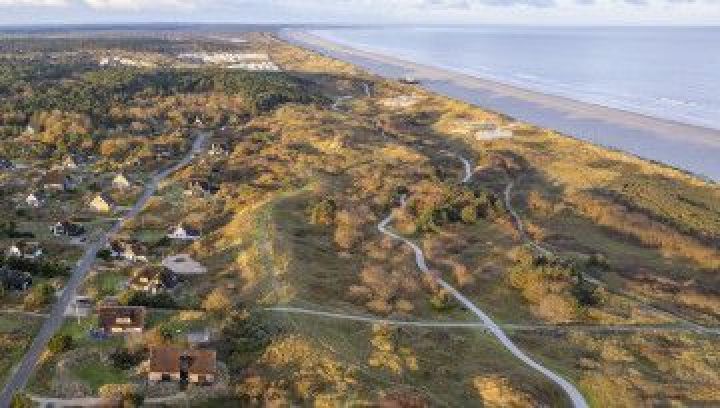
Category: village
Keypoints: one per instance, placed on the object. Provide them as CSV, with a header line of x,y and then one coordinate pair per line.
x,y
206,232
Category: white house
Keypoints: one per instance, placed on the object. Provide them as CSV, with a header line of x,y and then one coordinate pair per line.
x,y
120,181
128,251
27,250
34,200
183,232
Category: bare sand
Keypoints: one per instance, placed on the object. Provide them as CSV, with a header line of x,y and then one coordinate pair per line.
x,y
691,148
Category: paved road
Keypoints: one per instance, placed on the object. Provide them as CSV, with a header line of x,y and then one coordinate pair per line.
x,y
540,250
575,396
21,375
605,328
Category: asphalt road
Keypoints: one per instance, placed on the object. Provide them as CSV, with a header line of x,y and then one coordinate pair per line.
x,y
578,401
20,376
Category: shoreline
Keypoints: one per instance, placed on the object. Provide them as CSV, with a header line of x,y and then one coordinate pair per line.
x,y
686,147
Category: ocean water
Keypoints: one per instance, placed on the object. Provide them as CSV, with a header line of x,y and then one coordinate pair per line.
x,y
666,72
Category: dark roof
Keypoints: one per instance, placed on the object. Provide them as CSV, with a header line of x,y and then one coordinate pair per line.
x,y
54,177
108,316
167,360
13,279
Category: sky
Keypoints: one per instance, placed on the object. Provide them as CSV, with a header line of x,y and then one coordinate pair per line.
x,y
551,12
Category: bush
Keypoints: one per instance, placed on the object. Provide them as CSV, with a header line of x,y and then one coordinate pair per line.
x,y
21,400
139,298
39,296
124,359
129,394
60,343
323,212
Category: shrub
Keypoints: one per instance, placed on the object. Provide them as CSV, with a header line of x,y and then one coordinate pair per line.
x,y
323,212
39,296
129,394
124,359
60,343
21,400
139,298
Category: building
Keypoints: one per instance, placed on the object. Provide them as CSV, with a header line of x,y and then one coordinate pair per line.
x,y
34,200
12,279
67,228
153,280
121,319
26,250
70,162
490,131
183,232
127,250
57,181
218,149
102,204
6,164
185,366
201,187
120,181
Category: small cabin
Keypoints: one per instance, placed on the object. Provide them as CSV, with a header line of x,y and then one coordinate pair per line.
x,y
120,181
184,232
102,204
127,250
153,280
34,200
25,250
67,228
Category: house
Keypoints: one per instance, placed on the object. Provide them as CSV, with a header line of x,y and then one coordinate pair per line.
x,y
70,162
30,129
186,366
102,204
153,280
56,180
162,151
201,187
27,250
6,164
120,181
34,200
183,232
67,228
121,319
218,149
12,279
127,250
489,131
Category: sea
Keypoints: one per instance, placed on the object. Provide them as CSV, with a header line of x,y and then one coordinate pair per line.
x,y
670,73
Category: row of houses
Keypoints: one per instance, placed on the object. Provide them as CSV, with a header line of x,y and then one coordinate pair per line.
x,y
196,366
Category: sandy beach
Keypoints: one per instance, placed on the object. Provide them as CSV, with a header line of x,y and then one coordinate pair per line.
x,y
691,148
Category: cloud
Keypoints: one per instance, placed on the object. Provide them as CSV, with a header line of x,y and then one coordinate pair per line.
x,y
138,4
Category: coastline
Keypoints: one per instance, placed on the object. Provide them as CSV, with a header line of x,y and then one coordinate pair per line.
x,y
690,148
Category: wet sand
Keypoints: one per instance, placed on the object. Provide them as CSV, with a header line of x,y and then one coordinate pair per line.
x,y
692,148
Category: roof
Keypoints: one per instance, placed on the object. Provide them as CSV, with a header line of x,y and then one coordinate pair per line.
x,y
188,230
108,316
54,177
167,360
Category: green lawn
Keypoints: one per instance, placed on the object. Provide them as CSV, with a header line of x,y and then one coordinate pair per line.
x,y
96,374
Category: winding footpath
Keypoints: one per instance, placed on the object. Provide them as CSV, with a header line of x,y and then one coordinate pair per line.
x,y
578,401
605,328
20,376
